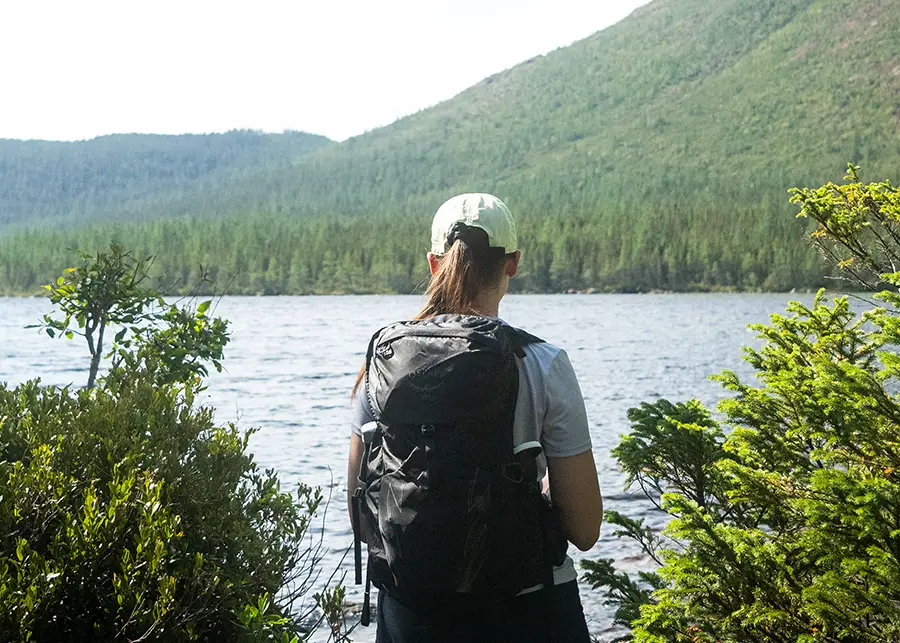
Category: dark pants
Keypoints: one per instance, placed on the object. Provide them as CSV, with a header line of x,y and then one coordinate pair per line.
x,y
546,616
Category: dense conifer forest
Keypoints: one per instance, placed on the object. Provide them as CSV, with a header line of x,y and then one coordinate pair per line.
x,y
656,154
264,254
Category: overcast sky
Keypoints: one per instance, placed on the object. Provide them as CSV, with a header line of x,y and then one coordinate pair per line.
x,y
74,69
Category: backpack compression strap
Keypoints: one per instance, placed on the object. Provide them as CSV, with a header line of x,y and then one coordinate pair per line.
x,y
356,508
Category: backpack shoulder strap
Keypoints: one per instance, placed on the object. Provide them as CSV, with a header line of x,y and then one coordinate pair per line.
x,y
519,339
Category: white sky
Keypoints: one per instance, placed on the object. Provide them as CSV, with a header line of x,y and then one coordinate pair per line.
x,y
74,69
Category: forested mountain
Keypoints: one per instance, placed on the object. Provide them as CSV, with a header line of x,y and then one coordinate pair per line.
x,y
132,175
655,154
723,97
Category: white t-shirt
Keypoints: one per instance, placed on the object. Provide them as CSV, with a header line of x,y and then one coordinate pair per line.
x,y
549,410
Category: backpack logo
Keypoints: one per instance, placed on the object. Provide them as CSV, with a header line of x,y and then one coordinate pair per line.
x,y
385,351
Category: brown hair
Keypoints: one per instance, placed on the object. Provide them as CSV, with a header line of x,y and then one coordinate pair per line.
x,y
466,270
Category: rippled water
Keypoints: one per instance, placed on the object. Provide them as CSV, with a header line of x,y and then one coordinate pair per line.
x,y
292,362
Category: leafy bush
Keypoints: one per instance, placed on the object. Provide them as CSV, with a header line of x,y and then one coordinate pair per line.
x,y
127,513
110,290
786,516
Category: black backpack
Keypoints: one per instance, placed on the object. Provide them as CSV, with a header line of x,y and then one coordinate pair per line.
x,y
443,502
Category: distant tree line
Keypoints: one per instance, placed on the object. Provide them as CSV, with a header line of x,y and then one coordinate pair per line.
x,y
678,248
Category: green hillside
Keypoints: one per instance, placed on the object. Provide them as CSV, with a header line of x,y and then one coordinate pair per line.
x,y
655,154
682,94
133,175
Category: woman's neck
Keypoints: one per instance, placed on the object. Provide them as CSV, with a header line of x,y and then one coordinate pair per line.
x,y
489,303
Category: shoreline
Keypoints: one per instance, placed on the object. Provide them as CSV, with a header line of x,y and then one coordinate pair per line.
x,y
570,291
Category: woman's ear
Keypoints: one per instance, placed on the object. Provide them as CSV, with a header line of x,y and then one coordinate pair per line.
x,y
434,263
512,263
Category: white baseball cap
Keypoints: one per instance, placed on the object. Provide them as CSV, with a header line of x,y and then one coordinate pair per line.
x,y
484,211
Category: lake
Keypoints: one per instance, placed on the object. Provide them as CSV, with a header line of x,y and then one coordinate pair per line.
x,y
292,362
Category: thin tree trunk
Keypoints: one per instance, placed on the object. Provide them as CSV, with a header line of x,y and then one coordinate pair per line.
x,y
95,358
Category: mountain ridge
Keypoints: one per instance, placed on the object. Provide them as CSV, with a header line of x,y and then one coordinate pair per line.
x,y
93,177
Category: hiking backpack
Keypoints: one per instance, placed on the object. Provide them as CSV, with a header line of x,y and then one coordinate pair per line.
x,y
444,501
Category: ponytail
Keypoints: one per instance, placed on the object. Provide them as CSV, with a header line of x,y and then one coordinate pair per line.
x,y
468,269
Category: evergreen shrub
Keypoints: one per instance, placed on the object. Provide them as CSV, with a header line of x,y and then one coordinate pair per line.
x,y
785,509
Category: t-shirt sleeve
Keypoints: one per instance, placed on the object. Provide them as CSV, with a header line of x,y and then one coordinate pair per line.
x,y
360,414
565,431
